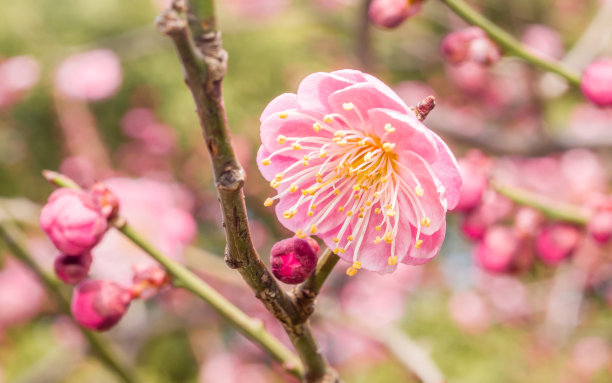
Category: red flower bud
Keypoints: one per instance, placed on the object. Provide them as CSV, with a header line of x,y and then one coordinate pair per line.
x,y
556,241
391,13
72,269
293,260
99,305
596,83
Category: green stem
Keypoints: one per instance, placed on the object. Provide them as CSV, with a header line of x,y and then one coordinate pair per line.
x,y
253,329
306,293
102,350
551,209
508,42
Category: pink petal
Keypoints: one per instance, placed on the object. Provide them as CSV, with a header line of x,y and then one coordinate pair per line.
x,y
293,125
429,248
447,171
314,90
285,101
277,165
409,135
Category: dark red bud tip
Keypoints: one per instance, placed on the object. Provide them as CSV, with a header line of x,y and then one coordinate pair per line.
x,y
293,260
99,305
108,201
72,269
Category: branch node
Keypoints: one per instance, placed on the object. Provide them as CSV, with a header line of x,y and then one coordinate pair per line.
x,y
231,180
170,23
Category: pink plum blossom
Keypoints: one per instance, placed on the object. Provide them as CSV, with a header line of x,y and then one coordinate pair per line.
x,y
229,368
596,82
73,220
472,169
72,269
21,295
99,305
293,260
91,76
353,165
600,226
391,13
469,311
556,241
469,44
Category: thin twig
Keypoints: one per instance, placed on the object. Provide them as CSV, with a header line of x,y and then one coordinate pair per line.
x,y
508,42
306,293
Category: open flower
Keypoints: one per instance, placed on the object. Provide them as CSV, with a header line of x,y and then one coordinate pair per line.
x,y
353,165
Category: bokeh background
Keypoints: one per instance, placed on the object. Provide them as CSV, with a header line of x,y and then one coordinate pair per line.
x,y
91,89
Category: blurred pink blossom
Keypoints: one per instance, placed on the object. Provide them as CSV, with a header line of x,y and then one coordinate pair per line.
x,y
391,13
159,211
17,75
556,241
469,44
473,169
543,41
21,295
256,9
228,368
469,311
590,355
92,76
498,249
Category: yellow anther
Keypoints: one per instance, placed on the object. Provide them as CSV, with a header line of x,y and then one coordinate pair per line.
x,y
377,211
317,127
328,119
279,176
336,239
288,214
349,213
360,215
387,146
313,229
388,207
296,146
313,207
378,228
336,139
368,203
391,213
357,265
356,187
389,128
300,234
322,154
268,202
384,179
376,194
319,180
293,188
362,143
266,161
361,209
305,162
351,271
310,214
312,192
418,190
342,142
283,115
368,156
356,196
337,191
349,238
377,240
336,250
348,106
425,222
338,134
305,192
281,139
418,244
342,250
274,183
388,237
392,260
341,208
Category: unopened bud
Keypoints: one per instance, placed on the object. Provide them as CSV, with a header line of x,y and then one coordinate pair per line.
x,y
391,13
72,269
556,241
600,226
469,44
293,260
596,82
99,305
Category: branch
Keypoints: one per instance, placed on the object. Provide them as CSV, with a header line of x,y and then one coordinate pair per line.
x,y
508,42
184,278
204,64
306,293
101,350
551,209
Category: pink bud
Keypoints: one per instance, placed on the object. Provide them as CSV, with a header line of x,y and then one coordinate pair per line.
x,y
600,226
293,260
498,249
72,269
99,305
597,82
313,242
106,199
474,183
556,241
391,13
73,221
470,44
148,279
